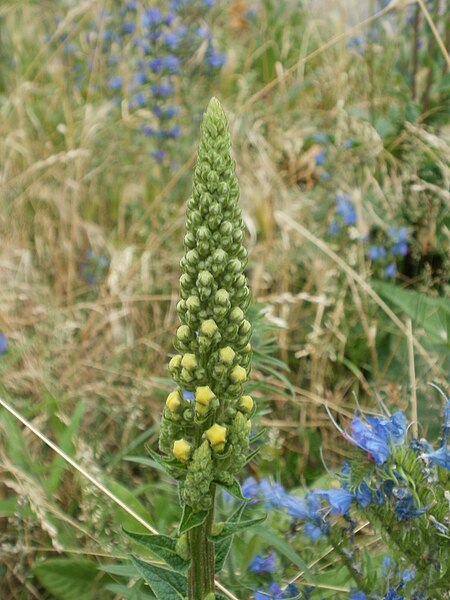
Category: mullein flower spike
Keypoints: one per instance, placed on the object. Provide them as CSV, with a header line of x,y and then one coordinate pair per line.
x,y
205,425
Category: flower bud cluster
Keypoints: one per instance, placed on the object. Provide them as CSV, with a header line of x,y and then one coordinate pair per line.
x,y
205,424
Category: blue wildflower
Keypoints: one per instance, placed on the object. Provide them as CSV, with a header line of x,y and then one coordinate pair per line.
x,y
390,270
115,83
148,131
140,78
296,507
387,565
158,155
312,531
139,100
215,60
166,113
128,28
156,64
398,235
339,499
151,16
162,90
399,249
392,595
439,457
3,343
363,495
345,208
376,253
408,575
250,489
187,395
405,506
358,595
204,33
274,494
320,157
377,436
263,564
171,63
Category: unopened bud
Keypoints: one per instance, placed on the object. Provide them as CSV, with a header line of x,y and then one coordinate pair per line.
x,y
238,374
181,450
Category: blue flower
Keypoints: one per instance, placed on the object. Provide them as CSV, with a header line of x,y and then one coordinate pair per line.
x,y
274,494
363,495
151,16
312,531
139,100
148,131
115,83
408,575
296,507
171,63
398,235
359,595
392,595
158,155
156,64
263,564
399,249
3,343
162,90
215,60
405,506
250,489
187,395
320,157
167,112
345,208
339,499
140,77
439,457
376,253
377,436
391,270
128,27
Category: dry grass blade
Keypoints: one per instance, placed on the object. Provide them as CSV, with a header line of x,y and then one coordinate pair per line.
x,y
436,34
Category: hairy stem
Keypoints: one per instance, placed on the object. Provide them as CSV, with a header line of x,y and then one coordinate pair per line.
x,y
201,572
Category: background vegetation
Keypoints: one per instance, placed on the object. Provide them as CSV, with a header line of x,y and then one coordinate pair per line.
x,y
341,138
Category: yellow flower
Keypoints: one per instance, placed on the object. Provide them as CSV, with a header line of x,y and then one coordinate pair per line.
x,y
217,436
238,374
208,327
175,362
227,355
189,361
181,449
246,403
203,397
173,401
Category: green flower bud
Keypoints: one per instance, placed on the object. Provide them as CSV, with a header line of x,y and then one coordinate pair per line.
x,y
199,478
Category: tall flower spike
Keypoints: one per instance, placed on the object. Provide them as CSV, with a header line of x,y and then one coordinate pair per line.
x,y
213,339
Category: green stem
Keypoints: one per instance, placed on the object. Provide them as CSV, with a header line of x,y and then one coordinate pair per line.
x,y
201,572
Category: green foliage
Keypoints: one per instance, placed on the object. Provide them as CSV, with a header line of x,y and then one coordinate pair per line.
x,y
163,547
165,584
69,578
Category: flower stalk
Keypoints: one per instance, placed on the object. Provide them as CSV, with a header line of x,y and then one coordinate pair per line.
x,y
206,422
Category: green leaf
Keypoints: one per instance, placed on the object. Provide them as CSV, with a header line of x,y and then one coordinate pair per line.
x,y
121,570
429,314
165,584
69,578
126,593
130,500
234,489
191,519
222,547
65,443
232,528
284,548
163,547
252,455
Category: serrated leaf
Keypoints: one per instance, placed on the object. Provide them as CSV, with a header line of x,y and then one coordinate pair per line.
x,y
235,490
232,528
163,547
165,584
126,593
69,578
191,519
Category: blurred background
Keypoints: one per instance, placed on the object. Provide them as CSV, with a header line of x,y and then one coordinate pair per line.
x,y
340,119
